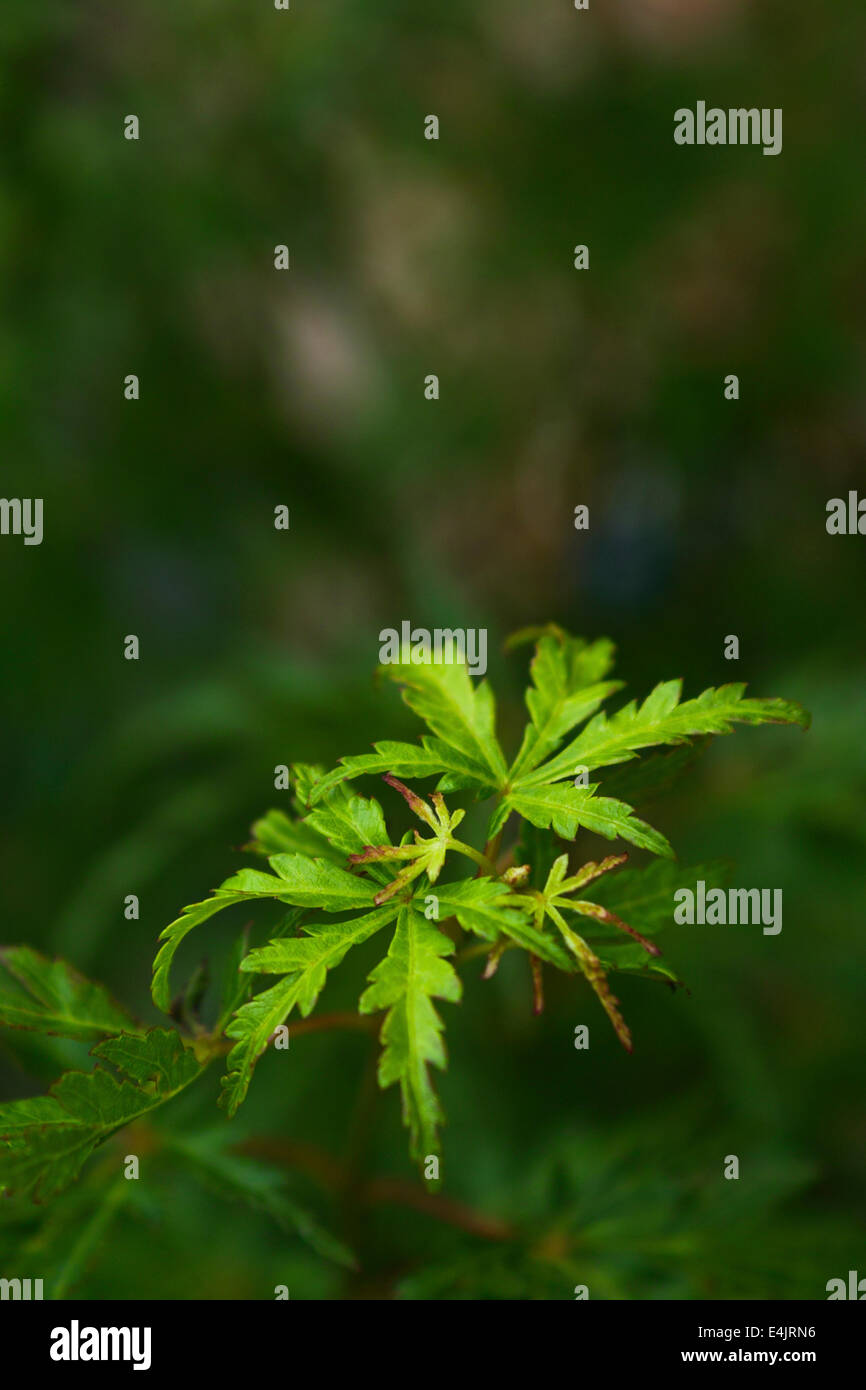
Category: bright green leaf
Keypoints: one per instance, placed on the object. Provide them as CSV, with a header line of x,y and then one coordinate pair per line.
x,y
566,809
305,960
567,687
413,973
661,719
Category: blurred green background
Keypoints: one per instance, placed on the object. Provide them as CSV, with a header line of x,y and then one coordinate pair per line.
x,y
558,387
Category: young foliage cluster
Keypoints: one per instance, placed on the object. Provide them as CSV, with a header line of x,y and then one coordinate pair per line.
x,y
334,867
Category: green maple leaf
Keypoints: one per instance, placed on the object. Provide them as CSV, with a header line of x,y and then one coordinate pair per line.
x,y
567,687
349,824
462,748
307,856
431,758
305,962
462,716
339,824
566,809
413,973
52,997
297,881
278,833
45,1141
662,719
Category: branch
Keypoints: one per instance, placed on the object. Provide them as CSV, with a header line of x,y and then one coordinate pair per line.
x,y
330,1174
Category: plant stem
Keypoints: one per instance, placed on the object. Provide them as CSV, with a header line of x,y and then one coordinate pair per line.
x,y
329,1173
492,848
481,859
